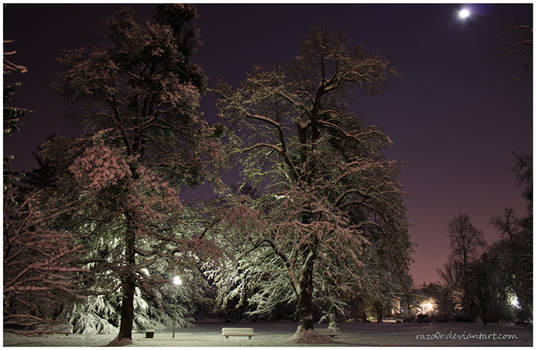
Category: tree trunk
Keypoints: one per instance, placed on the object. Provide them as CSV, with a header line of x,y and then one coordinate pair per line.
x,y
129,287
379,313
305,300
305,332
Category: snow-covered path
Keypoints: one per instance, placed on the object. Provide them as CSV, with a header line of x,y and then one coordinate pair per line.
x,y
279,333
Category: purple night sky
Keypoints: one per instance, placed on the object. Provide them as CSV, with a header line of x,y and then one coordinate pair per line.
x,y
455,117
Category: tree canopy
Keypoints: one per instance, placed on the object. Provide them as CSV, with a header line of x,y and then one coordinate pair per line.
x,y
138,99
325,191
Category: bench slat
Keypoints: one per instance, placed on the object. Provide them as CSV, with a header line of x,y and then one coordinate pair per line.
x,y
244,332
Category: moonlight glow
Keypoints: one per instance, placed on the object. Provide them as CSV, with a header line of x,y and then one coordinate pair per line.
x,y
464,13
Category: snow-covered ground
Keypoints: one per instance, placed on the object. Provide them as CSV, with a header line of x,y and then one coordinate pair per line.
x,y
279,334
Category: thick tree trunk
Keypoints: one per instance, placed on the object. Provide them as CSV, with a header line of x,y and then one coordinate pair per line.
x,y
129,286
305,301
127,309
305,332
305,294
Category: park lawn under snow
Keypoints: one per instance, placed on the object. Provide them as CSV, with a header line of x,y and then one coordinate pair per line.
x,y
279,334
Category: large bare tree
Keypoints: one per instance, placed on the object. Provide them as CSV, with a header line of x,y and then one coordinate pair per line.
x,y
324,188
465,243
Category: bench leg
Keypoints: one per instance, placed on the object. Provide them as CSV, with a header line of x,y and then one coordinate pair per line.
x,y
226,337
249,337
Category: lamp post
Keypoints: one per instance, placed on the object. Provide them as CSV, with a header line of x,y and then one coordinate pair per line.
x,y
176,281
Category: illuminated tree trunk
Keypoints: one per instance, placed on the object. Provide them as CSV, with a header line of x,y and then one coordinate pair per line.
x,y
129,286
305,300
305,296
133,116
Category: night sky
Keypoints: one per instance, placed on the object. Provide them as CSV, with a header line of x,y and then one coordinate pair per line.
x,y
455,117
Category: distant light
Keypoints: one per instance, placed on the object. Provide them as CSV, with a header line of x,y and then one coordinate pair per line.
x,y
427,306
177,281
514,301
464,13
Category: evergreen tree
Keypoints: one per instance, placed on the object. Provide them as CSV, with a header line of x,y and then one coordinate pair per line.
x,y
138,99
518,239
12,115
41,276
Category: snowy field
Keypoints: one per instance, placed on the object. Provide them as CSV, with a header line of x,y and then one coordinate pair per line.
x,y
279,333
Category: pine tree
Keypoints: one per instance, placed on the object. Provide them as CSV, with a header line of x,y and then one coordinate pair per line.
x,y
518,239
41,275
12,115
139,98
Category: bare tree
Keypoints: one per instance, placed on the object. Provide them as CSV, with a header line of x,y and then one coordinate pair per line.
x,y
523,44
325,189
9,66
465,243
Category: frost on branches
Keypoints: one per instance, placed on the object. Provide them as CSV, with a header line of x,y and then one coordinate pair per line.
x,y
139,95
41,275
12,116
324,188
139,200
100,314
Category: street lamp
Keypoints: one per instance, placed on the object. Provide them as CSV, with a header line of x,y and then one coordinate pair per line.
x,y
176,281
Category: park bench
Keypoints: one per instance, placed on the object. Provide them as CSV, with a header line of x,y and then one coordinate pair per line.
x,y
332,333
237,332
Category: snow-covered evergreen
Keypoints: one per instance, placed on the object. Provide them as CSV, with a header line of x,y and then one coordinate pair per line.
x,y
100,314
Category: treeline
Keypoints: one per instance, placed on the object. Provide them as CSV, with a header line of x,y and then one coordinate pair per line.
x,y
95,234
487,283
316,227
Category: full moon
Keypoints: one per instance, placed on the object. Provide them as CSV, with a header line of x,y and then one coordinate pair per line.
x,y
464,13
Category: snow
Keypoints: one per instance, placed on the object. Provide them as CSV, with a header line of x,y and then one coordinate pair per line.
x,y
279,333
309,337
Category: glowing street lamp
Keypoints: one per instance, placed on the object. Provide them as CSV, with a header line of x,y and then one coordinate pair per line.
x,y
427,306
514,301
176,281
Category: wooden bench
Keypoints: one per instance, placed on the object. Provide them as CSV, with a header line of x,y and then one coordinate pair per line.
x,y
237,332
332,333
